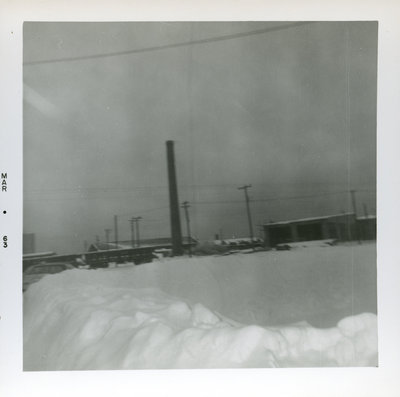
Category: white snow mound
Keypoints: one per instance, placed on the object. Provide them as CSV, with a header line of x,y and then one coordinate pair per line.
x,y
88,320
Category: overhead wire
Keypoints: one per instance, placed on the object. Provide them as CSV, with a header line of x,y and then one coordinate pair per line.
x,y
314,195
146,187
168,46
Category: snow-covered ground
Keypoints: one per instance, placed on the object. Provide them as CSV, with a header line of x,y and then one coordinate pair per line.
x,y
312,306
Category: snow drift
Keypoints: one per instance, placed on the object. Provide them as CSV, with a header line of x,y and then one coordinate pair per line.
x,y
211,312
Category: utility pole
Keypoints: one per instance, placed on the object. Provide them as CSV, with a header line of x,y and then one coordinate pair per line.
x,y
185,206
136,220
353,201
365,211
132,220
368,227
107,231
245,187
116,230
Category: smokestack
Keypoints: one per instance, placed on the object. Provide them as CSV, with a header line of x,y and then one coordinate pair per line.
x,y
176,233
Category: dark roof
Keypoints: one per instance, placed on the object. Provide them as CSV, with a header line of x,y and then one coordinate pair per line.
x,y
151,242
317,218
38,255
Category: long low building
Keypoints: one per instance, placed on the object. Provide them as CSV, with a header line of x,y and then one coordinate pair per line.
x,y
101,254
160,242
342,227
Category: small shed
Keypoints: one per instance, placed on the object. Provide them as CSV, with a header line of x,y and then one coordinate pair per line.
x,y
339,227
367,227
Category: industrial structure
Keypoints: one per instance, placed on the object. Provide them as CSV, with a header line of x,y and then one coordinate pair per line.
x,y
28,243
176,233
342,227
101,254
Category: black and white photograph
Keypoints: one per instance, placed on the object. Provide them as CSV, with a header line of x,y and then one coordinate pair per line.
x,y
199,198
199,195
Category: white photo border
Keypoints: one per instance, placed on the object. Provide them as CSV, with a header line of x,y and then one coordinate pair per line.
x,y
384,380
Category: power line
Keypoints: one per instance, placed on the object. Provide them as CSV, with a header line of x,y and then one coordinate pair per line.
x,y
280,198
108,188
168,46
314,195
144,187
146,210
302,197
273,198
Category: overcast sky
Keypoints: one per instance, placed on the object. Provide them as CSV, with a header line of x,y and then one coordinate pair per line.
x,y
288,108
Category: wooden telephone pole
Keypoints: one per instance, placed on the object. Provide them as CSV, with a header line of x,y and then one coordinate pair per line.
x,y
136,220
356,225
185,206
107,232
131,221
116,230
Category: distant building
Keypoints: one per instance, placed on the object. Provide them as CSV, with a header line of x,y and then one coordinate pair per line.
x,y
343,227
48,257
240,242
101,254
161,242
28,243
367,227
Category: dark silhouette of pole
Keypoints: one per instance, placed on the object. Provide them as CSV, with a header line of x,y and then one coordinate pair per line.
x,y
353,202
245,187
185,206
107,232
116,230
176,234
365,211
131,221
136,221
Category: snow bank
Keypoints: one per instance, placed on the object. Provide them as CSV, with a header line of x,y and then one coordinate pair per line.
x,y
306,244
163,315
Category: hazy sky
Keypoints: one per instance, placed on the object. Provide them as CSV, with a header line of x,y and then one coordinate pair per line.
x,y
291,111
